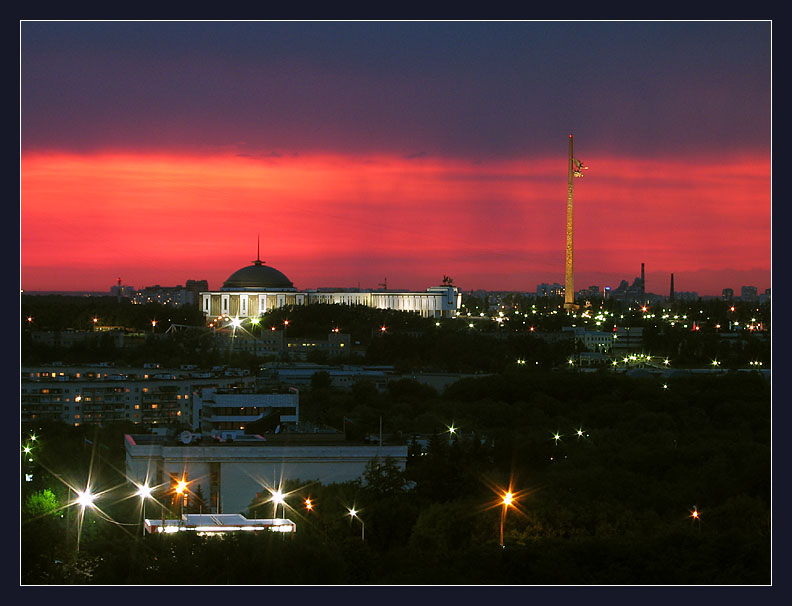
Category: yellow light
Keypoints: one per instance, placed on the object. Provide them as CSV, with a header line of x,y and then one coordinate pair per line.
x,y
507,499
308,504
181,486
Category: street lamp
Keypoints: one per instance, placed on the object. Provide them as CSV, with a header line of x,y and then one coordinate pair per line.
x,y
506,501
354,514
181,488
277,499
694,514
144,492
84,499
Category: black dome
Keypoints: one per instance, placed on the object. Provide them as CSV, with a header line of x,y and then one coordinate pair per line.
x,y
257,277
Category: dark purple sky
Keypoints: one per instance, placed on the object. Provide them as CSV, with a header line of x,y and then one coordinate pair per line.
x,y
670,100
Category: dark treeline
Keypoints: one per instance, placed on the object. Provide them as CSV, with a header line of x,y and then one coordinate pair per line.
x,y
606,470
409,342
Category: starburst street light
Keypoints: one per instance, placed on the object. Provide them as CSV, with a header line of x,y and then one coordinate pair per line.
x,y
144,492
506,501
85,498
354,514
277,498
696,517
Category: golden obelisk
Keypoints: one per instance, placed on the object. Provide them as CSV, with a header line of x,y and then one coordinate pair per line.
x,y
576,169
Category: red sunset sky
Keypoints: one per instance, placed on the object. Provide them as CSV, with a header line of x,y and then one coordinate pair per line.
x,y
105,194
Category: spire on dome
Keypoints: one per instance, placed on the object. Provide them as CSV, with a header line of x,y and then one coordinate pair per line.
x,y
258,260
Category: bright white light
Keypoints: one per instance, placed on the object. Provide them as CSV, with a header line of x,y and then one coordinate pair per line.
x,y
144,491
85,499
277,497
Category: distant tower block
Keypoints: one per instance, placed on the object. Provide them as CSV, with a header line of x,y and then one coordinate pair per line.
x,y
576,169
671,297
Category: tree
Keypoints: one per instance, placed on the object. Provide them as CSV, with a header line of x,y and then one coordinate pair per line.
x,y
383,477
41,503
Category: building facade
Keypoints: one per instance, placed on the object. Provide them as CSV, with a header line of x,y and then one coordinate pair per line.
x,y
231,474
258,288
151,397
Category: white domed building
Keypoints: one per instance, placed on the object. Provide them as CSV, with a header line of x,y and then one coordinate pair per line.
x,y
258,288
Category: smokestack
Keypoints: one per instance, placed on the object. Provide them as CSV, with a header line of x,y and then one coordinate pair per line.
x,y
643,284
672,288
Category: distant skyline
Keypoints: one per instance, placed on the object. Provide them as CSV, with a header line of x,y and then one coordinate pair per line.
x,y
358,151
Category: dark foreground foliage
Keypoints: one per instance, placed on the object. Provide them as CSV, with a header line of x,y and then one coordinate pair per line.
x,y
609,505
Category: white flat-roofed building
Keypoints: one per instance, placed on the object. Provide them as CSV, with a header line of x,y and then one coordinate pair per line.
x,y
214,523
258,288
231,473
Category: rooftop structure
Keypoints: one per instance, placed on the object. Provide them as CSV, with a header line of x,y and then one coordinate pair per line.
x,y
218,523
